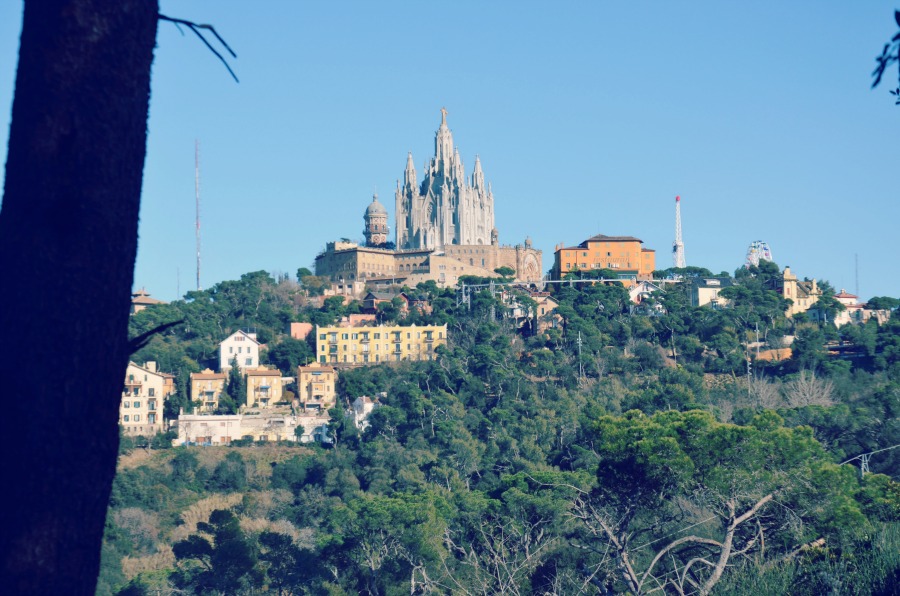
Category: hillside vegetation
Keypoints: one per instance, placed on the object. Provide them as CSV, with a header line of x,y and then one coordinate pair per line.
x,y
627,451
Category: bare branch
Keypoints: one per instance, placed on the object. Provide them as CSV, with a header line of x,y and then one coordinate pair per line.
x,y
195,28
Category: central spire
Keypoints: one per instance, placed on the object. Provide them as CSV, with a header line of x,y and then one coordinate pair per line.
x,y
443,141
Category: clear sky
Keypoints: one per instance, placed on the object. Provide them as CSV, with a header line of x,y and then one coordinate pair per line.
x,y
589,117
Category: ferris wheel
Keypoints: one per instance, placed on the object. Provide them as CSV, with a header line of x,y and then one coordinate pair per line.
x,y
758,251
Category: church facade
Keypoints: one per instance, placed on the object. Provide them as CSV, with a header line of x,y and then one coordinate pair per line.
x,y
447,207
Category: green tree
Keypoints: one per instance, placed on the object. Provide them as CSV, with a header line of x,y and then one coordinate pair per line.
x,y
726,479
288,354
220,557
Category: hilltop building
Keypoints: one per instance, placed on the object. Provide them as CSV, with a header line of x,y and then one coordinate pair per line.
x,y
374,345
705,290
802,294
376,230
143,397
623,254
141,300
854,311
444,230
447,207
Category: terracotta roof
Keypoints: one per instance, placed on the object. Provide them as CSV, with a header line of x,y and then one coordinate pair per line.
x,y
208,375
261,372
604,238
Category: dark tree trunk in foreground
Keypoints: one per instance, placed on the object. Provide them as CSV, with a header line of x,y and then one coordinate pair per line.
x,y
68,239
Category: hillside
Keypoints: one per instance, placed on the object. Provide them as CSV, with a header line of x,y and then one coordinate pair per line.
x,y
620,451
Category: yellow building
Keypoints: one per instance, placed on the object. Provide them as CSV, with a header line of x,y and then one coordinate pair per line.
x,y
622,254
206,388
373,345
264,387
316,385
143,396
802,294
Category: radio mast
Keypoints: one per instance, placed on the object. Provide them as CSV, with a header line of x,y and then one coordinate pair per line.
x,y
678,245
197,196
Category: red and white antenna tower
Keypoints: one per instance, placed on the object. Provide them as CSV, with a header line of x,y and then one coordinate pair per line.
x,y
197,196
678,245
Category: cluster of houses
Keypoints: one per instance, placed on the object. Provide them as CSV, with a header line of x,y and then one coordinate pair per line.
x,y
268,412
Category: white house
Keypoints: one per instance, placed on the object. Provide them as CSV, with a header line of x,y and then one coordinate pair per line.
x,y
242,347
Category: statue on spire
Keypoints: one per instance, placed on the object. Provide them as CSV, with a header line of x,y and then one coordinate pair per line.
x,y
444,113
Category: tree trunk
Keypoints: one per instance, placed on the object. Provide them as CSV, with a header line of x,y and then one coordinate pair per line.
x,y
68,239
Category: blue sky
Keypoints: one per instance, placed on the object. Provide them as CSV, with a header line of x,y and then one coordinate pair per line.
x,y
589,117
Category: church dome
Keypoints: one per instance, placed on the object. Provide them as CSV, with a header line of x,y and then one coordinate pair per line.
x,y
375,208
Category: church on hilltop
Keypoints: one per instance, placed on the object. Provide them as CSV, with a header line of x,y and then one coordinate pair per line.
x,y
444,230
447,208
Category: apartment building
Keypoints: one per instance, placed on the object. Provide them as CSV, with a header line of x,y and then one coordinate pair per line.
x,y
375,345
316,386
143,397
264,387
206,388
622,254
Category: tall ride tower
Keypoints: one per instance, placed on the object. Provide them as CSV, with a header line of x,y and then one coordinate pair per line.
x,y
678,245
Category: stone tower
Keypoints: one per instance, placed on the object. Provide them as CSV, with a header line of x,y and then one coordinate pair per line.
x,y
447,208
376,230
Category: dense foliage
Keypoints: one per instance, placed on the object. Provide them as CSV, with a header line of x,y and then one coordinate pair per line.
x,y
626,449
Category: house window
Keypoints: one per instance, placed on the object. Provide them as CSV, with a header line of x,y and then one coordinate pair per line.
x,y
322,336
137,417
127,404
137,404
249,361
125,418
151,392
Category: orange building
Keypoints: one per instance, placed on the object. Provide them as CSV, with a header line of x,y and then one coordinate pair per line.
x,y
622,254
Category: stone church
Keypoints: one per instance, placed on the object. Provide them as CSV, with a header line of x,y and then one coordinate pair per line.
x,y
447,208
444,230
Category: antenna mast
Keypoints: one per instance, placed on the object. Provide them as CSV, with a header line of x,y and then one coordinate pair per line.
x,y
678,245
197,196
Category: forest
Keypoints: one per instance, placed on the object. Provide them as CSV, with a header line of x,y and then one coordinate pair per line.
x,y
629,450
